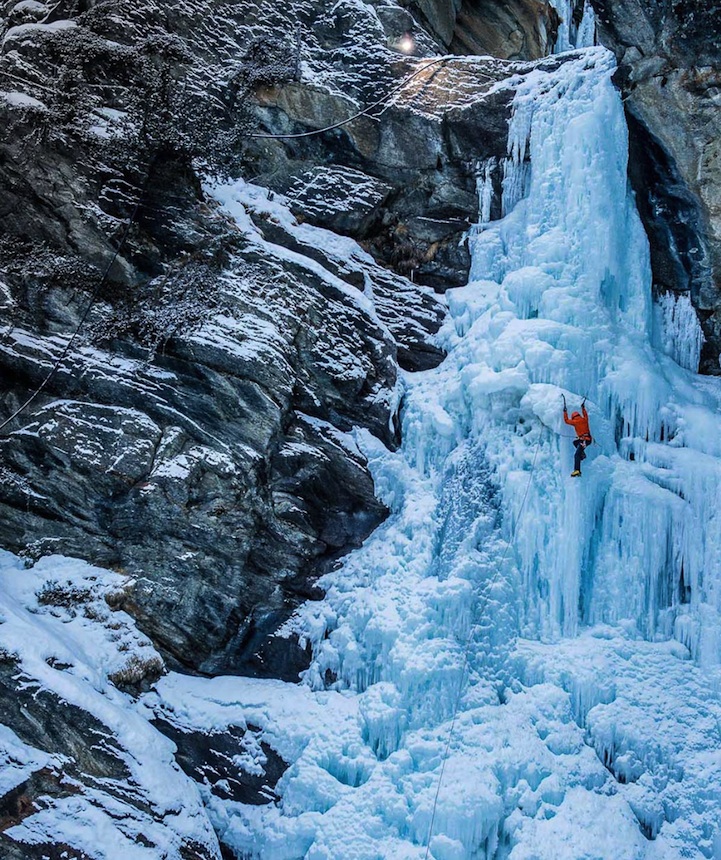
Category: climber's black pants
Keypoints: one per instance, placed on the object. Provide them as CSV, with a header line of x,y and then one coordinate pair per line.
x,y
580,446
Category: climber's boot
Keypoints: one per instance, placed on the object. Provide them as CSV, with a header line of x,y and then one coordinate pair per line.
x,y
576,474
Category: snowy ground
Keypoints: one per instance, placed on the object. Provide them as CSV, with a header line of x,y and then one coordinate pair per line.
x,y
62,641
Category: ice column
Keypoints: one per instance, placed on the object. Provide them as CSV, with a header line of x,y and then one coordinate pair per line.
x,y
560,301
578,25
678,332
484,187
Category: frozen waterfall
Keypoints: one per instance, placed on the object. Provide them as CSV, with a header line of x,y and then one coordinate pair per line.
x,y
577,27
580,619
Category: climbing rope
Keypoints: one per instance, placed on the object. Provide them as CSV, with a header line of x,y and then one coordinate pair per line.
x,y
26,81
54,90
365,112
96,291
467,650
268,136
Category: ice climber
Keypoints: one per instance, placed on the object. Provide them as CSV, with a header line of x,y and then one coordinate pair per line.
x,y
579,422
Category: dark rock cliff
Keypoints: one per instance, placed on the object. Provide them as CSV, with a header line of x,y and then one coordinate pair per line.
x,y
508,29
193,436
669,55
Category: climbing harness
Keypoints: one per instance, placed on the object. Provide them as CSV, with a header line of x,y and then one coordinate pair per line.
x,y
573,435
468,648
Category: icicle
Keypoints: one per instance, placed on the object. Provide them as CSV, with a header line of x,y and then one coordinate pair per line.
x,y
586,33
516,169
678,331
484,187
572,31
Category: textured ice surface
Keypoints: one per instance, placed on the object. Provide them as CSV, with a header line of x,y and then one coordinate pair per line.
x,y
678,331
573,624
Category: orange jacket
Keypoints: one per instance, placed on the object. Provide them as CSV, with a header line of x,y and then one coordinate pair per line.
x,y
579,423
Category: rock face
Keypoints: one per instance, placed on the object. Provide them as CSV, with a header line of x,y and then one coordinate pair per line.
x,y
83,774
212,758
216,468
508,29
195,436
669,56
514,29
408,180
74,753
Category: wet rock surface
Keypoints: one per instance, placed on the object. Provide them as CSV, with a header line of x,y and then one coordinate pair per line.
x,y
508,29
511,29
